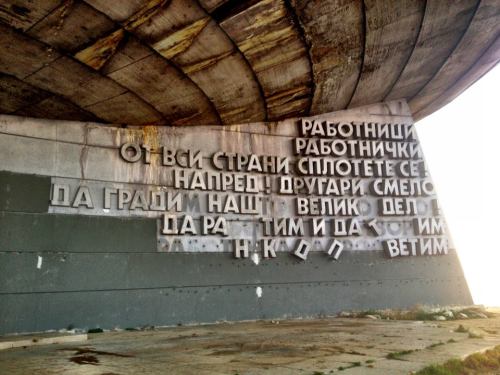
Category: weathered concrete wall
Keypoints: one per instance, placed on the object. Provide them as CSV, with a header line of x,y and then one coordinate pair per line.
x,y
79,267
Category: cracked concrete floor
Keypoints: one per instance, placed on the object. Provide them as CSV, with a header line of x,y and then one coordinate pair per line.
x,y
333,345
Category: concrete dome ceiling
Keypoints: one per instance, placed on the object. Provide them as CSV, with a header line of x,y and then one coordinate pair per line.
x,y
183,62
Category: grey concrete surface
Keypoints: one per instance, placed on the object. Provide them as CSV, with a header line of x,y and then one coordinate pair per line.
x,y
63,266
321,346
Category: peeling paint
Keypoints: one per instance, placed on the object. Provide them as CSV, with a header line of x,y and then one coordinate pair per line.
x,y
271,42
12,13
265,41
63,11
292,108
225,115
144,14
204,64
262,63
256,258
100,52
293,101
288,95
258,291
336,41
180,40
274,13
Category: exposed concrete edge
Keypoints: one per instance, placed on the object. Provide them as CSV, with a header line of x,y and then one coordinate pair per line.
x,y
10,342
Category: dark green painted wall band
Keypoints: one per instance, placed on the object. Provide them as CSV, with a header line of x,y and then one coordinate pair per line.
x,y
65,272
170,306
74,233
106,272
24,192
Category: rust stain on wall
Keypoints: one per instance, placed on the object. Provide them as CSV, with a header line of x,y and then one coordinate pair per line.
x,y
150,136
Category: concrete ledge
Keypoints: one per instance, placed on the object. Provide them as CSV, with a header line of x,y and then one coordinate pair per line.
x,y
9,342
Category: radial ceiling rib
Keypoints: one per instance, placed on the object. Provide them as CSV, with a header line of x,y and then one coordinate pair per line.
x,y
130,13
194,62
185,34
22,15
481,33
224,9
209,58
218,18
443,26
70,26
362,59
153,78
266,35
44,67
334,31
21,56
16,94
391,31
486,62
94,39
20,98
411,53
143,70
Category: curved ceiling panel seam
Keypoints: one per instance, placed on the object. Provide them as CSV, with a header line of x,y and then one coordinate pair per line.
x,y
57,5
403,66
59,89
265,34
441,24
481,33
130,23
204,53
259,85
363,52
307,47
489,59
391,32
40,97
450,54
333,30
64,29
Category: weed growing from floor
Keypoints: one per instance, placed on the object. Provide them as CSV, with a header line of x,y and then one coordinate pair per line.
x,y
398,355
353,364
435,344
475,364
462,329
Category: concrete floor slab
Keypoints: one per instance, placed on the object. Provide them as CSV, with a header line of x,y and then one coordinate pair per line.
x,y
321,346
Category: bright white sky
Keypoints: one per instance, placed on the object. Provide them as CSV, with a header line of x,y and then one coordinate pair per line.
x,y
461,144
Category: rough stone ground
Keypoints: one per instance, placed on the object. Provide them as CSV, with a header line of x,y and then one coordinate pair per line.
x,y
320,346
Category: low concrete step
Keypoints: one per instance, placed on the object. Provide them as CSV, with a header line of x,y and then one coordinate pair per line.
x,y
19,341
